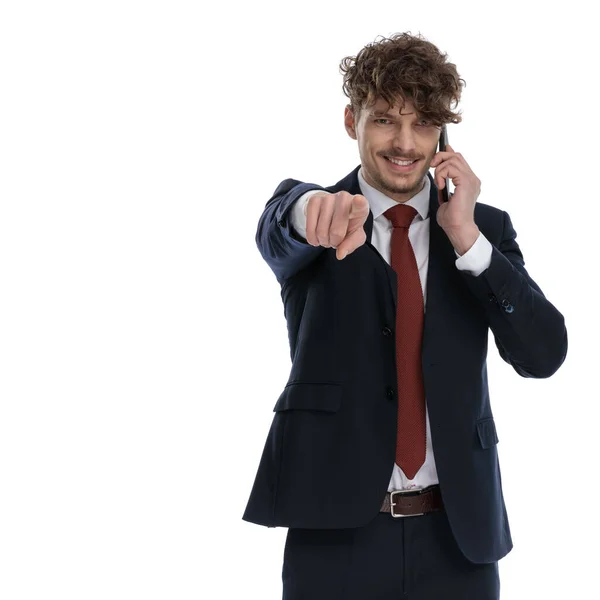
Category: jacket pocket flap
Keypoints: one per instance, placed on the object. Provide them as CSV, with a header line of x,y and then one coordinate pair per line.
x,y
486,428
310,396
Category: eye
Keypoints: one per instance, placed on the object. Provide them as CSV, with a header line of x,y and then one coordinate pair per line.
x,y
424,123
382,120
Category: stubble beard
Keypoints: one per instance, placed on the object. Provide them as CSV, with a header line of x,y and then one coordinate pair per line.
x,y
389,186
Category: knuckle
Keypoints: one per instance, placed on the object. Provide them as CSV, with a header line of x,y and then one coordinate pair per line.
x,y
323,240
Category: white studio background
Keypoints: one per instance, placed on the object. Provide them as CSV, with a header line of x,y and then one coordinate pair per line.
x,y
142,338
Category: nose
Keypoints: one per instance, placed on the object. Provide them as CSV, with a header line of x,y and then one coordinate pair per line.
x,y
404,142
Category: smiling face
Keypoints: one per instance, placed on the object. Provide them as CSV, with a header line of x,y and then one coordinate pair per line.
x,y
400,133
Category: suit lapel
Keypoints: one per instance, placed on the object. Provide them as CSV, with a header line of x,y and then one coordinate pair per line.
x,y
439,272
350,184
441,255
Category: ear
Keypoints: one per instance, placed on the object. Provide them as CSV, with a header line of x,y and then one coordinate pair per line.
x,y
349,122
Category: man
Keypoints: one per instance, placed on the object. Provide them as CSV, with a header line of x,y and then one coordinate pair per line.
x,y
381,458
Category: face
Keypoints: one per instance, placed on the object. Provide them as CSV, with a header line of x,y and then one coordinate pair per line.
x,y
400,133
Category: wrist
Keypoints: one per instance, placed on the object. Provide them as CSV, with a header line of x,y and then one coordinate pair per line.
x,y
463,238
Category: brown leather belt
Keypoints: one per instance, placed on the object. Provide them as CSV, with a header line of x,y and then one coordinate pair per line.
x,y
416,501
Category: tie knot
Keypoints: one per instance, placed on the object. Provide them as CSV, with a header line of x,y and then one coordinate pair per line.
x,y
401,215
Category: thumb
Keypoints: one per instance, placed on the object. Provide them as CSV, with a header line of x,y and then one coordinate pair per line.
x,y
359,206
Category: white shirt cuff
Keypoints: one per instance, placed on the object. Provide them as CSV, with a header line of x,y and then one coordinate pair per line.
x,y
298,214
477,258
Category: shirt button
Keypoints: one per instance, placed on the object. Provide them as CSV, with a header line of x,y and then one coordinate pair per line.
x,y
386,331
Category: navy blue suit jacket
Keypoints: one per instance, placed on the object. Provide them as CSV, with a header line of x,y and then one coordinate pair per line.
x,y
330,451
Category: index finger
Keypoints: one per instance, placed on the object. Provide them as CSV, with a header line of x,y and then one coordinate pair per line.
x,y
440,157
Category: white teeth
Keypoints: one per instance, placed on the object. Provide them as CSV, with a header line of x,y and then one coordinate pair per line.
x,y
403,163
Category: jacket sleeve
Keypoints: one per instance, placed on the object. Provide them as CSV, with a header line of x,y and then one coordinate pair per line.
x,y
283,249
529,331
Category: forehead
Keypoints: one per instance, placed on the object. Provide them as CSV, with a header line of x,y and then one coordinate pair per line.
x,y
381,108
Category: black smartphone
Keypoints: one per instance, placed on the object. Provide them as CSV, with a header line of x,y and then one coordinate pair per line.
x,y
444,192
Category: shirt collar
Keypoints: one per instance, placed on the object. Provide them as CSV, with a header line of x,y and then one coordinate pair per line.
x,y
379,202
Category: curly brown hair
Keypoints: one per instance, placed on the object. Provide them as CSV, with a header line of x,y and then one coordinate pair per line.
x,y
406,67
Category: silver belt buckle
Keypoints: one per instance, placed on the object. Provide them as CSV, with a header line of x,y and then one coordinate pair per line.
x,y
417,489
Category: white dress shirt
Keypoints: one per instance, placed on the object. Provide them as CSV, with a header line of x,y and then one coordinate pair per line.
x,y
476,260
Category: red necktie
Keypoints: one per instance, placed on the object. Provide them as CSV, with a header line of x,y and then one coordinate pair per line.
x,y
410,443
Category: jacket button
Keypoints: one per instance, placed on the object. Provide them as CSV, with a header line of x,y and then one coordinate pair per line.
x,y
492,297
281,223
386,331
390,393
